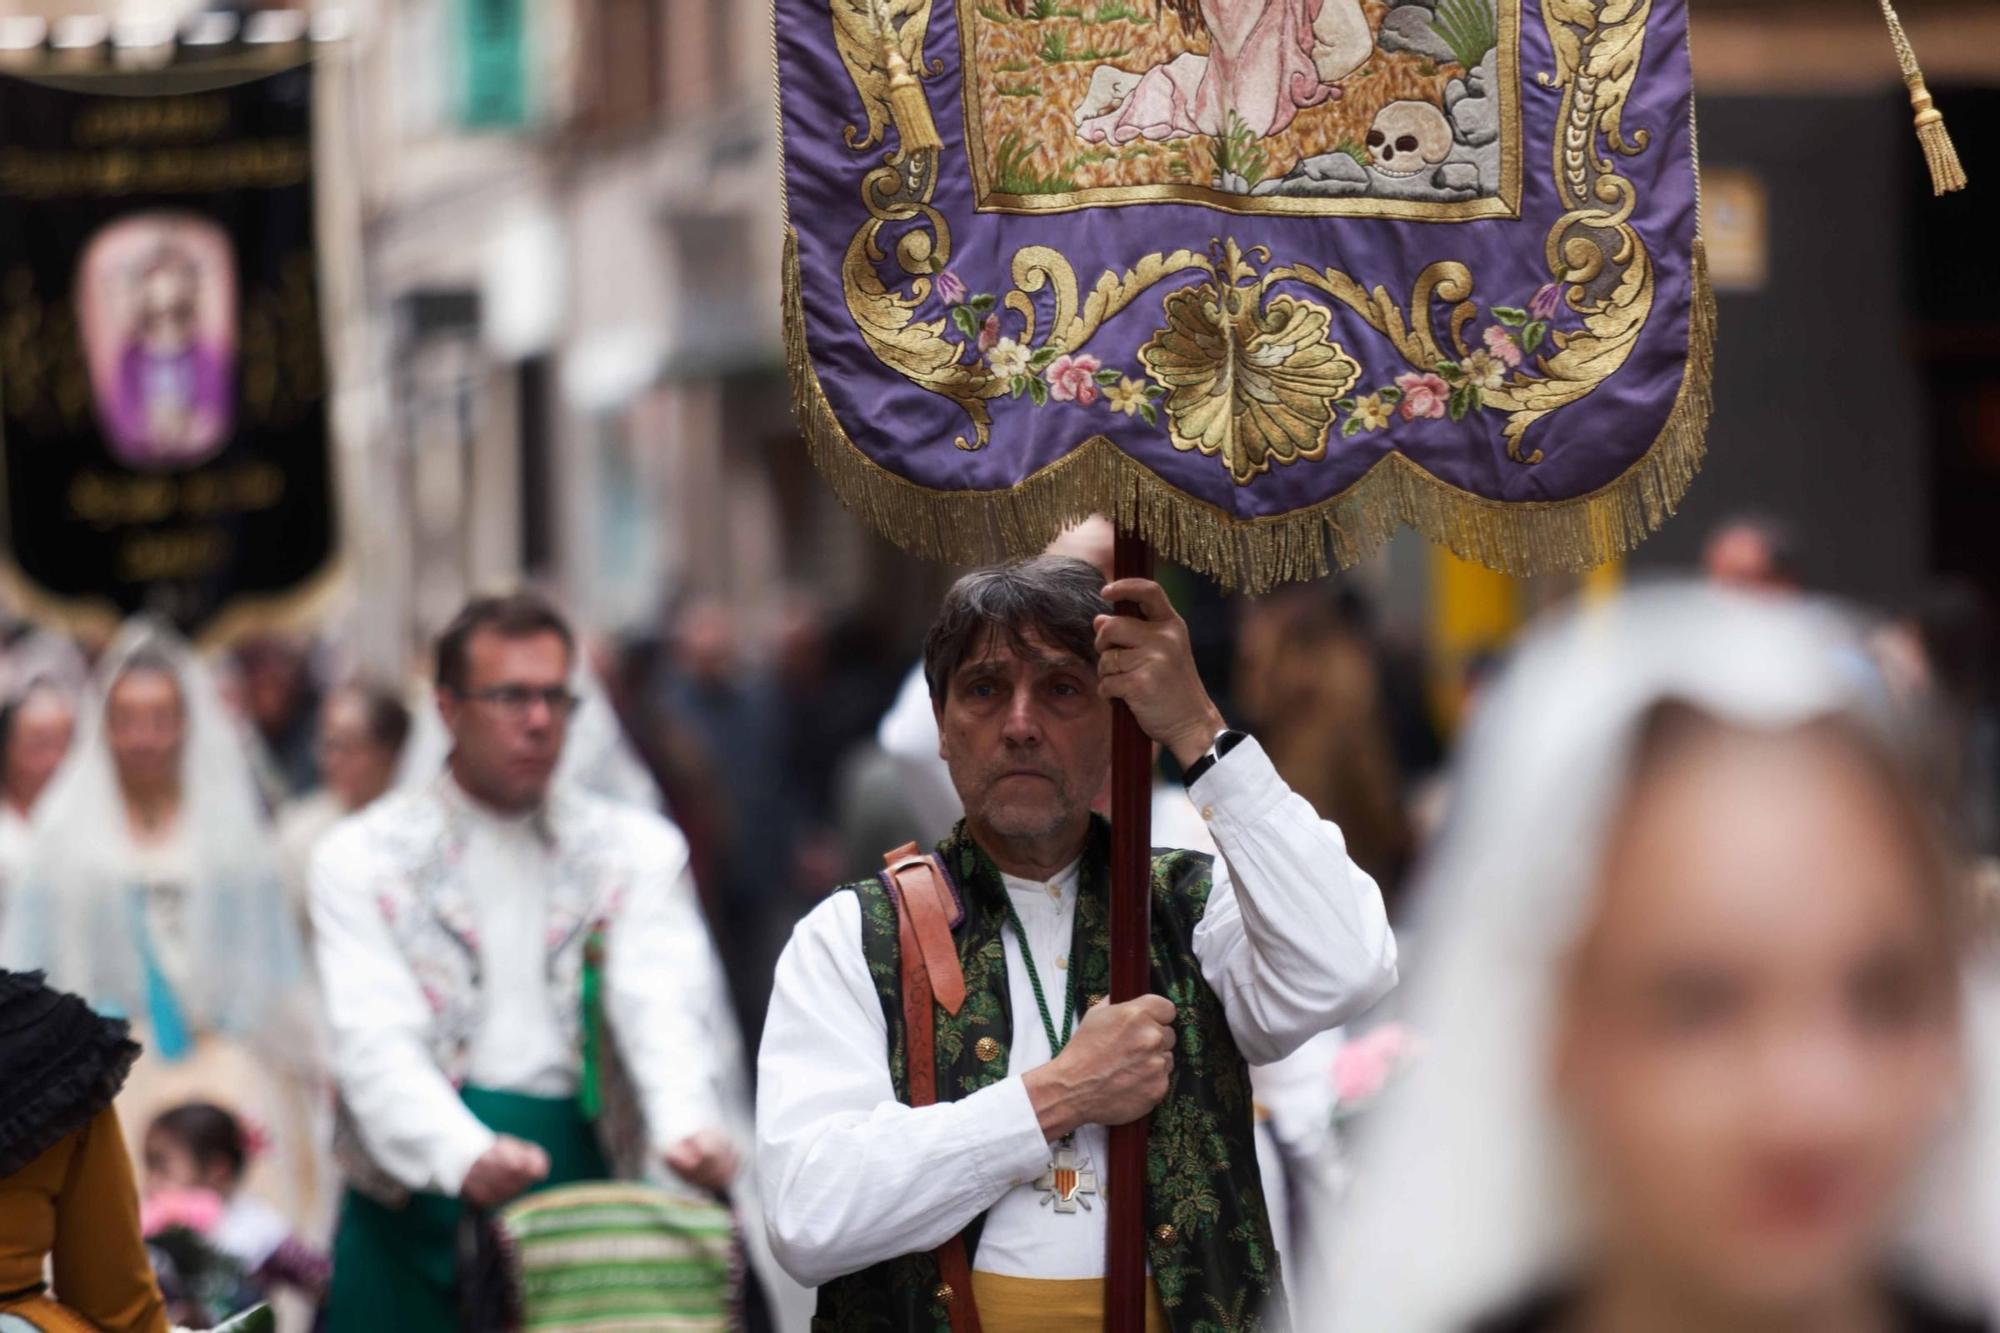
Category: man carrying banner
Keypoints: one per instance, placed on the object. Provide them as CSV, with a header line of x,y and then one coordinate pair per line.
x,y
937,1074
479,938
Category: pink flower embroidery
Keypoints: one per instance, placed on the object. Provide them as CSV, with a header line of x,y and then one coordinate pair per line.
x,y
193,1210
950,288
1501,343
1424,395
1073,379
989,333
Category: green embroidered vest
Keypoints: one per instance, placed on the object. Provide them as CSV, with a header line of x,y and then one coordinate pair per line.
x,y
1208,1236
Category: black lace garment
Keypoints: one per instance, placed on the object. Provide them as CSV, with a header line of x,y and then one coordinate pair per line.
x,y
60,1064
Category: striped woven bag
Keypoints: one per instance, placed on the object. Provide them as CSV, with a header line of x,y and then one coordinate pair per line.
x,y
611,1256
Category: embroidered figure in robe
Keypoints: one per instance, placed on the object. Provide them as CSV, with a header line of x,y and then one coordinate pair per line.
x,y
1266,61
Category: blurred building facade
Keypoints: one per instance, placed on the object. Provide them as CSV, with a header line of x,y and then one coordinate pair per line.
x,y
569,364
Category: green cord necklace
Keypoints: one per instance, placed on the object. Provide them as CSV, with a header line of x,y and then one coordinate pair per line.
x,y
1056,1043
1069,1183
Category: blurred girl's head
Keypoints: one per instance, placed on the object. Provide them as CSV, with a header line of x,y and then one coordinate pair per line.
x,y
1687,975
1757,1030
197,1145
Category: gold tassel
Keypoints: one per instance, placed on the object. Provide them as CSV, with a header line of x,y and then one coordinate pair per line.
x,y
912,109
1947,174
908,106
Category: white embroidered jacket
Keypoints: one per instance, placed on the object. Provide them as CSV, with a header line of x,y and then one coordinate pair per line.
x,y
404,899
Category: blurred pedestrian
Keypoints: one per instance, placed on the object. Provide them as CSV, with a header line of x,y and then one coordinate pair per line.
x,y
1704,1037
1306,678
478,939
736,715
151,887
281,703
1754,553
1938,658
71,1256
35,733
362,731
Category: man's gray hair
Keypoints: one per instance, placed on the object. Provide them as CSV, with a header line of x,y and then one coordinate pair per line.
x,y
1056,597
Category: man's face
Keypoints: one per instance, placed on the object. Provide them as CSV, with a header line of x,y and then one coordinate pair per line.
x,y
506,734
1025,735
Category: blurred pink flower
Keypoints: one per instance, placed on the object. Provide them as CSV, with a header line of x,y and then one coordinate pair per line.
x,y
989,333
256,1142
199,1211
950,288
1074,378
1364,1065
1501,343
1424,395
1547,300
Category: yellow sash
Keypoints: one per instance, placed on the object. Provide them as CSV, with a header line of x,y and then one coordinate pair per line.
x,y
1038,1305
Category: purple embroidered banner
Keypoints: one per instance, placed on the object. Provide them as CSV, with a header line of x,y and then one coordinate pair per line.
x,y
1260,278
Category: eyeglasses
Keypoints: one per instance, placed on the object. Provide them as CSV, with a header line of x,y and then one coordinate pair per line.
x,y
517,700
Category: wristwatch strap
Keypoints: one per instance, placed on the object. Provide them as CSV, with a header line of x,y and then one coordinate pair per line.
x,y
1224,742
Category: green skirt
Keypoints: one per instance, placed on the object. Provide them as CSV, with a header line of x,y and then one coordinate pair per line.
x,y
393,1268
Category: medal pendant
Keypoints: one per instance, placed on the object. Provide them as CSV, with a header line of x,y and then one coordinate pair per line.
x,y
1069,1182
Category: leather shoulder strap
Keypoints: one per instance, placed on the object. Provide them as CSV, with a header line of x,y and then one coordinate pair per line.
x,y
925,915
925,898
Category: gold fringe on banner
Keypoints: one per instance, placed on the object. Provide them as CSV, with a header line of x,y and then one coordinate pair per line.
x,y
1255,555
1939,154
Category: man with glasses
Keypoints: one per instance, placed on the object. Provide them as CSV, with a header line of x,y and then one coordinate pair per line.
x,y
520,988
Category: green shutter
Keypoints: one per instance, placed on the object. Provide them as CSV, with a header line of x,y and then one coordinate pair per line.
x,y
493,83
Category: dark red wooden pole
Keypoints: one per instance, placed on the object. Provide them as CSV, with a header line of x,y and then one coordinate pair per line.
x,y
1131,976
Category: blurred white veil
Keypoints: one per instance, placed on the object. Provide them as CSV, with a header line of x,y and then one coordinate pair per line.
x,y
1461,1204
74,913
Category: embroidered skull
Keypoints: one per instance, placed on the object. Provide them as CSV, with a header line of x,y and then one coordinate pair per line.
x,y
1407,137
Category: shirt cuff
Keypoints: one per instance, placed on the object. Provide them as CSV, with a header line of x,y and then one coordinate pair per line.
x,y
1240,788
456,1153
1008,1146
690,1116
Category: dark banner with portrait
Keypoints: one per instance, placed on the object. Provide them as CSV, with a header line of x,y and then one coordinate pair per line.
x,y
162,380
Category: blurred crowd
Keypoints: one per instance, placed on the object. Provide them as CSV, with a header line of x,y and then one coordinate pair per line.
x,y
1617,763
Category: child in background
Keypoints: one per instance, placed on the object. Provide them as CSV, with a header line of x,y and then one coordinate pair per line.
x,y
198,1146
